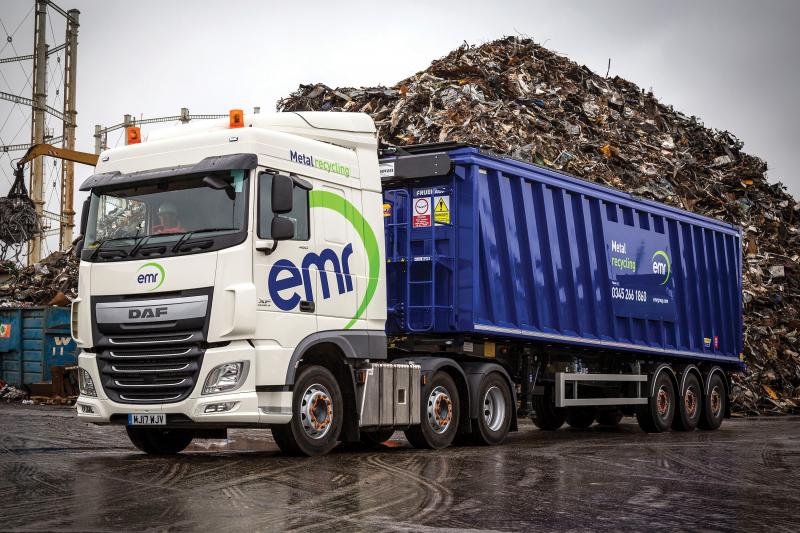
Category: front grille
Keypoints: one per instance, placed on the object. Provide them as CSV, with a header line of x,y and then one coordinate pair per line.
x,y
151,368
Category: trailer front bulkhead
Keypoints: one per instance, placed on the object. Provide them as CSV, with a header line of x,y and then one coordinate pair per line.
x,y
279,271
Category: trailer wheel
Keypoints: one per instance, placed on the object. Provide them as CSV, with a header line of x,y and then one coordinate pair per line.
x,y
657,414
157,441
376,438
317,412
546,415
714,403
609,417
494,418
440,414
581,417
690,404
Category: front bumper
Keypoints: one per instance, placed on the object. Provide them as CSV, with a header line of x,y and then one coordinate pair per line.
x,y
250,407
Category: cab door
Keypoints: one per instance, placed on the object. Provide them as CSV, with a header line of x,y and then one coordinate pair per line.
x,y
339,259
284,288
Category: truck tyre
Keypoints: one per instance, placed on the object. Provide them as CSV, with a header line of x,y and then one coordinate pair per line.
x,y
690,402
657,414
581,417
546,415
376,438
440,414
494,418
609,417
317,412
714,403
157,441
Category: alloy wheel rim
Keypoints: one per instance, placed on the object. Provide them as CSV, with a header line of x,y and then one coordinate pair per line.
x,y
316,411
494,408
440,410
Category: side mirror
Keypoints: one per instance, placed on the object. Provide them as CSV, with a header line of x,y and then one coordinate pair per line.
x,y
282,195
282,228
84,216
79,242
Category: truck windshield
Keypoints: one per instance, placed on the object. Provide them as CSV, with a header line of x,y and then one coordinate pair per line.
x,y
167,210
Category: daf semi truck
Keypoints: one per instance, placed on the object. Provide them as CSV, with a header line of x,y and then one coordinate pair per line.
x,y
280,271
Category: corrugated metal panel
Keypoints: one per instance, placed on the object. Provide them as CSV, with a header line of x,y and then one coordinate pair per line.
x,y
531,253
39,337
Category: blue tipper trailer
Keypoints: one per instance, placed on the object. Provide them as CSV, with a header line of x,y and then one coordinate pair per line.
x,y
32,340
594,297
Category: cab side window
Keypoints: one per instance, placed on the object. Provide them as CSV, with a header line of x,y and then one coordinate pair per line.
x,y
299,212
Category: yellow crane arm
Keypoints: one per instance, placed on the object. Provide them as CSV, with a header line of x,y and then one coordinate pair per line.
x,y
38,150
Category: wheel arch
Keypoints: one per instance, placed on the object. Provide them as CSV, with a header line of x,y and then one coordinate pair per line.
x,y
690,369
663,367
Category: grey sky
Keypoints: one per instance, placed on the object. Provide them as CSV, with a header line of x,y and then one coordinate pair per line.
x,y
732,63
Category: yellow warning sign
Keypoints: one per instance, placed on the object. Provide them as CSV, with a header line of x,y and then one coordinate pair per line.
x,y
387,210
441,209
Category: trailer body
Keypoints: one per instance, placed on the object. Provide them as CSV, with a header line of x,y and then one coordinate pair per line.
x,y
506,248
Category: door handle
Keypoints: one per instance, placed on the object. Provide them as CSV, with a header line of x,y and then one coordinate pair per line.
x,y
306,306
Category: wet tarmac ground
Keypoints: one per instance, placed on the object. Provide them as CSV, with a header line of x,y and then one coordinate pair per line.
x,y
60,474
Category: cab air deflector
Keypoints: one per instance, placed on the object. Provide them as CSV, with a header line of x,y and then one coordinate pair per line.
x,y
209,164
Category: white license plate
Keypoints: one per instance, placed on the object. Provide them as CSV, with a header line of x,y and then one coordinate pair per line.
x,y
147,420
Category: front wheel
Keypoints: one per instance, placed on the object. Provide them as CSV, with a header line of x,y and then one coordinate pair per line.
x,y
317,412
440,414
158,441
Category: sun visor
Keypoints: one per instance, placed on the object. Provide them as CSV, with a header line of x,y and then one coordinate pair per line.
x,y
215,163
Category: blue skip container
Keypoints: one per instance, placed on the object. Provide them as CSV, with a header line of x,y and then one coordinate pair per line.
x,y
33,339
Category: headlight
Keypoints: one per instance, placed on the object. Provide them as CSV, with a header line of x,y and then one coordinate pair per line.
x,y
226,377
85,383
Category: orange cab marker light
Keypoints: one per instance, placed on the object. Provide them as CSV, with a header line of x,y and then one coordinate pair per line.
x,y
133,135
237,118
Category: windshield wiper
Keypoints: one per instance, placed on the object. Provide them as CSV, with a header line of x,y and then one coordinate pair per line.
x,y
146,238
103,242
188,235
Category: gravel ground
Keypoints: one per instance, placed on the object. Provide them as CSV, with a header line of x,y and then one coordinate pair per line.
x,y
60,474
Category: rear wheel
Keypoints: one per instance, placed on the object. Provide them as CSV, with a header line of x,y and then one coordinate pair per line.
x,y
581,417
494,419
690,402
376,438
546,415
317,412
609,417
656,416
714,403
440,414
158,441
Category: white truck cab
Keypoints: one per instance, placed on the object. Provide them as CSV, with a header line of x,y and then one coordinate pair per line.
x,y
215,256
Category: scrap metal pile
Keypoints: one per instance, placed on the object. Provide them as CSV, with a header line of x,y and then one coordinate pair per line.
x,y
520,99
18,221
52,281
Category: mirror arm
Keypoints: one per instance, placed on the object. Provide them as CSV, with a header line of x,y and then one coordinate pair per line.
x,y
267,250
